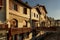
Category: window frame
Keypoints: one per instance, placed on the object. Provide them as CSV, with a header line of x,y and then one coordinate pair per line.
x,y
25,10
37,15
34,14
15,7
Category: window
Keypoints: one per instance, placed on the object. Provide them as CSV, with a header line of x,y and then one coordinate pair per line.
x,y
15,7
25,10
14,23
37,16
36,24
43,24
34,14
26,24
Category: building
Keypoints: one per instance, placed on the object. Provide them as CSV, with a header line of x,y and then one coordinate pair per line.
x,y
52,21
39,13
35,13
57,23
21,18
3,32
20,12
17,15
43,15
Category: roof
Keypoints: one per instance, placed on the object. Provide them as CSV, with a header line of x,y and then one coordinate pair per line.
x,y
21,2
42,6
37,8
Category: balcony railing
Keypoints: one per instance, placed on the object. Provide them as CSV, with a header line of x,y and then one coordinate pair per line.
x,y
3,26
14,31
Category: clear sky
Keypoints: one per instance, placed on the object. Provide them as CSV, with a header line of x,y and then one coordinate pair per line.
x,y
52,6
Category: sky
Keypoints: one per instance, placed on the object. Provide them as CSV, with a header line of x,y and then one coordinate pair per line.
x,y
52,6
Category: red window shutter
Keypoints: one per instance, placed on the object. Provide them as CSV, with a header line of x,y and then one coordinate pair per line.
x,y
0,2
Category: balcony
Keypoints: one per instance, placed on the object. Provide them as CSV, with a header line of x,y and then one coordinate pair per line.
x,y
3,26
14,31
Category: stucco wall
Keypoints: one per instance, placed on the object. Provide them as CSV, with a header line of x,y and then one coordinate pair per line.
x,y
19,14
33,10
19,10
21,20
43,14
